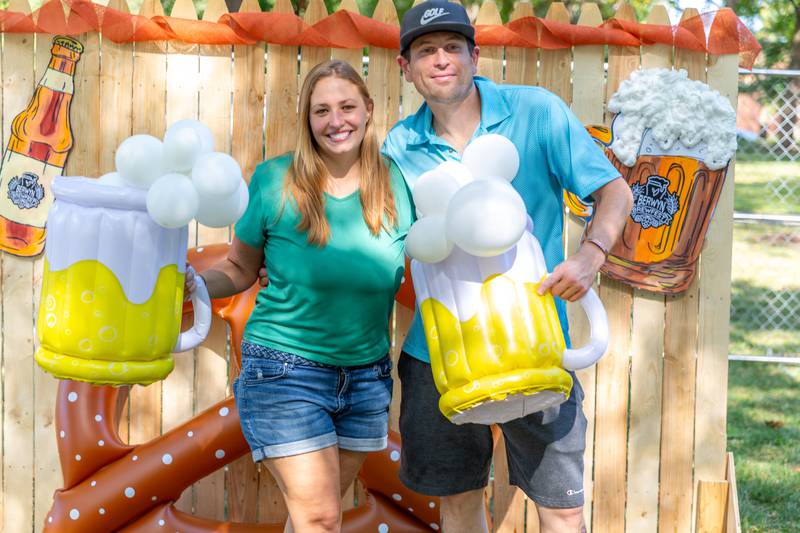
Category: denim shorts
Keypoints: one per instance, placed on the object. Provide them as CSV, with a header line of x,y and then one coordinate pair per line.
x,y
290,405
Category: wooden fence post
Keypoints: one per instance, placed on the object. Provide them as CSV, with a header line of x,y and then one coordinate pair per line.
x,y
612,372
588,89
148,116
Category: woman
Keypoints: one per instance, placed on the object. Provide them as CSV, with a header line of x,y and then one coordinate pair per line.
x,y
329,221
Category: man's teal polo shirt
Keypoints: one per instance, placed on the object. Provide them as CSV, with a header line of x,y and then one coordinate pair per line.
x,y
555,153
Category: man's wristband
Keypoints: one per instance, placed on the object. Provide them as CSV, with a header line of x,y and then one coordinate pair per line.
x,y
599,244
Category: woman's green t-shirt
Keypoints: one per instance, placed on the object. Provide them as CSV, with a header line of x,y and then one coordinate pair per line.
x,y
330,304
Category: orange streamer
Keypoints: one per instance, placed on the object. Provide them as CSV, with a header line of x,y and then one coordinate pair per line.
x,y
344,29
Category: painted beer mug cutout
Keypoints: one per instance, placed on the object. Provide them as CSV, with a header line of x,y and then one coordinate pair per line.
x,y
496,346
112,290
673,150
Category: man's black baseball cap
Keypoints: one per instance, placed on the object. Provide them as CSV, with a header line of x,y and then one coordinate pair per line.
x,y
431,16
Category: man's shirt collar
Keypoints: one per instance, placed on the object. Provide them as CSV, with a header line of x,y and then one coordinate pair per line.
x,y
494,110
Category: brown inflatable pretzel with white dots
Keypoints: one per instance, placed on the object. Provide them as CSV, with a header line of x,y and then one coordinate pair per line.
x,y
110,485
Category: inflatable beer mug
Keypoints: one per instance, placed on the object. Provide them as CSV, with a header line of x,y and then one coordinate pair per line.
x,y
112,291
496,346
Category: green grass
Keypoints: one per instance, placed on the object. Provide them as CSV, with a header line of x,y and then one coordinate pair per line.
x,y
756,184
764,435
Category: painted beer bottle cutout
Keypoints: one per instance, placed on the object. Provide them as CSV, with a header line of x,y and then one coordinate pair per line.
x,y
37,151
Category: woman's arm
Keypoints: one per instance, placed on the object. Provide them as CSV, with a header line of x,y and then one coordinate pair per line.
x,y
234,274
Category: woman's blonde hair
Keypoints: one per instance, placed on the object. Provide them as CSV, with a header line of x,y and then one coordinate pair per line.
x,y
306,178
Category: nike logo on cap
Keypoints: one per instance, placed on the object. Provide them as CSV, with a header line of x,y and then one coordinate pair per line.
x,y
432,14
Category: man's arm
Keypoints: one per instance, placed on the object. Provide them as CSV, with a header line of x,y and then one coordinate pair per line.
x,y
571,279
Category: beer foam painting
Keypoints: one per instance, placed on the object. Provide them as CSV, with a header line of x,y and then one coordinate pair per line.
x,y
672,139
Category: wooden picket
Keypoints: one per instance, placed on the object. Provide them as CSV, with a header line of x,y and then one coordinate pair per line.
x,y
178,390
644,440
249,89
149,114
19,80
651,462
588,88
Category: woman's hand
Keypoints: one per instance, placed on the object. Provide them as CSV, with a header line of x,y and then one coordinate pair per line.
x,y
189,282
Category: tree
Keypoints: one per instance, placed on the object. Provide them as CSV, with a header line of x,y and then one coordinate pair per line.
x,y
780,39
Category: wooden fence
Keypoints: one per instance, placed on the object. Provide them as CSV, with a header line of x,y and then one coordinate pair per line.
x,y
656,403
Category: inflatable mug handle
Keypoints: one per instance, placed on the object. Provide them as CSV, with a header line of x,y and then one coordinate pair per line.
x,y
592,351
201,307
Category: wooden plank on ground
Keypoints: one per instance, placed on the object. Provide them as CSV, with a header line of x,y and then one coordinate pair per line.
x,y
281,93
383,79
17,286
646,368
310,56
178,390
733,523
409,97
680,364
148,116
249,88
116,90
712,503
555,73
490,62
588,88
521,63
715,302
354,56
611,412
211,369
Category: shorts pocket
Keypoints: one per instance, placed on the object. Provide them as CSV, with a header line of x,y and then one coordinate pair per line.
x,y
383,368
256,371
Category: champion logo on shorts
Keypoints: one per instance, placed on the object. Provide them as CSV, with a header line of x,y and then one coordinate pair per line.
x,y
571,492
432,14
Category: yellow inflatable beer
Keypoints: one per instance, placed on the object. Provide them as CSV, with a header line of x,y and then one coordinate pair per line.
x,y
112,290
496,346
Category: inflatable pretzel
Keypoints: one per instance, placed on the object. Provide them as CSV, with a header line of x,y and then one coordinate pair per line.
x,y
110,485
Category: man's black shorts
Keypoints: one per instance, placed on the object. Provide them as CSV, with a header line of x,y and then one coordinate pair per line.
x,y
438,458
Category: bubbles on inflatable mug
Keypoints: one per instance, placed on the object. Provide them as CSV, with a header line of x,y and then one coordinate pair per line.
x,y
172,201
113,179
491,156
427,240
486,217
433,190
140,160
216,174
458,170
184,142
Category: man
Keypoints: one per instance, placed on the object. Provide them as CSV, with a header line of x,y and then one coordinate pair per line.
x,y
545,450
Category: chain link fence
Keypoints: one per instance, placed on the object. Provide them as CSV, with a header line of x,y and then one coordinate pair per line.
x,y
765,285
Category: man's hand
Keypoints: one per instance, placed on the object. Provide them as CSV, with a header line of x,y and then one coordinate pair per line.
x,y
263,280
571,279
